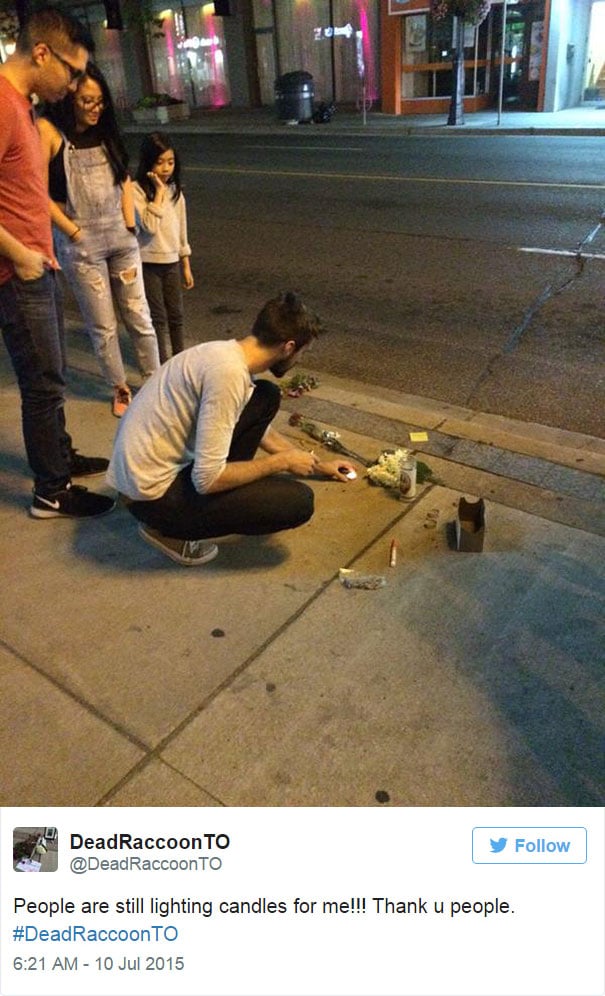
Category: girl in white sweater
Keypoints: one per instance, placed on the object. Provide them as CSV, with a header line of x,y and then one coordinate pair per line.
x,y
165,251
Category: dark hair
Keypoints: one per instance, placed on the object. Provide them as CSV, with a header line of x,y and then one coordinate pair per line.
x,y
152,147
284,318
62,115
55,28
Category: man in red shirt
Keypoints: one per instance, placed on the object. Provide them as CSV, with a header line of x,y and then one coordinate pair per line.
x,y
52,53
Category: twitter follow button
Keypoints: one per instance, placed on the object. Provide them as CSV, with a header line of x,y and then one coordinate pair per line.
x,y
530,845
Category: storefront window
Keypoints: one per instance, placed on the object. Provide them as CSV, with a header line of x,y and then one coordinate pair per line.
x,y
9,29
263,13
189,59
302,43
112,52
595,66
356,49
339,50
111,60
427,57
523,52
264,32
168,57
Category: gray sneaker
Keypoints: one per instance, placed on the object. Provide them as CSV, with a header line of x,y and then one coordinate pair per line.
x,y
191,553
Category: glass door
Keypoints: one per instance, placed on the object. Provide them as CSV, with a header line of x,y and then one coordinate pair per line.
x,y
523,53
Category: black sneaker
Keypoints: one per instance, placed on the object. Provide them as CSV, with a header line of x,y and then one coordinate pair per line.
x,y
83,466
73,502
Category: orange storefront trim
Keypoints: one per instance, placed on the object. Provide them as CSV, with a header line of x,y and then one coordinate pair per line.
x,y
438,67
440,105
390,60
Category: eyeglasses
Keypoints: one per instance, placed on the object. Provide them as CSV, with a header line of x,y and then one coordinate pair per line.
x,y
74,74
90,103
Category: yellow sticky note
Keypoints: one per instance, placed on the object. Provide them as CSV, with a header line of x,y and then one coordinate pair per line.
x,y
419,437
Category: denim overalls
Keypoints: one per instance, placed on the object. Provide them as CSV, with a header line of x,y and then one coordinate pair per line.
x,y
106,259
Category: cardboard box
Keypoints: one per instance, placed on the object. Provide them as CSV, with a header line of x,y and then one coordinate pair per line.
x,y
470,526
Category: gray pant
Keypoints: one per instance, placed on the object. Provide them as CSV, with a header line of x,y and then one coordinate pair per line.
x,y
164,293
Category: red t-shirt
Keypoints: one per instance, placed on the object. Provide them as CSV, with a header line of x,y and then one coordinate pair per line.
x,y
24,206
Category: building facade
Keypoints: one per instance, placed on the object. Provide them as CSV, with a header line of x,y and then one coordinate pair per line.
x,y
386,54
551,50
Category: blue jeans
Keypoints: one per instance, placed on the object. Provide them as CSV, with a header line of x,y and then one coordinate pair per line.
x,y
31,317
104,264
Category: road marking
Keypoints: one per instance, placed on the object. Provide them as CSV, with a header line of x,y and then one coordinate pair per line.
x,y
309,148
563,252
303,174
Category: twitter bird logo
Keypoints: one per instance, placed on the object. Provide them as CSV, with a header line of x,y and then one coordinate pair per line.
x,y
498,845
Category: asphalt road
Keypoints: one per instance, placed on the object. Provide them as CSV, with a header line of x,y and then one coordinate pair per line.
x,y
409,248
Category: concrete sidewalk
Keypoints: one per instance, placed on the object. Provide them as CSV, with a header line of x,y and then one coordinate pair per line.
x,y
469,679
587,119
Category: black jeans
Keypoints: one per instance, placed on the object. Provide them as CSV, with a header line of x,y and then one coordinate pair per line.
x,y
165,299
266,506
31,318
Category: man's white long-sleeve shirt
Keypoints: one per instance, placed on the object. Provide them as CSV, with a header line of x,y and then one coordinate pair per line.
x,y
184,414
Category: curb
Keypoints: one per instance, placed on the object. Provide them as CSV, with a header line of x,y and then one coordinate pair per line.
x,y
184,128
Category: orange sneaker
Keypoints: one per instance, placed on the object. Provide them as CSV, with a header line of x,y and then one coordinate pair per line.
x,y
121,399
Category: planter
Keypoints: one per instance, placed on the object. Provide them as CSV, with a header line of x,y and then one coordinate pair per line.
x,y
161,114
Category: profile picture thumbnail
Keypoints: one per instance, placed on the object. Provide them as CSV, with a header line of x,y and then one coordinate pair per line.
x,y
35,849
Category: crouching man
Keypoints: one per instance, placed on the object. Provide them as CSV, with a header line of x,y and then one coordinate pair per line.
x,y
184,451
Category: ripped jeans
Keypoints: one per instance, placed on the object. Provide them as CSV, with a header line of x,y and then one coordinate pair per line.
x,y
106,264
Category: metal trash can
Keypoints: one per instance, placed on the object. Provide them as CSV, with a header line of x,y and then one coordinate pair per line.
x,y
294,94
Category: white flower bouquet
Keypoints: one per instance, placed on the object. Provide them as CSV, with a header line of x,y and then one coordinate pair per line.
x,y
386,470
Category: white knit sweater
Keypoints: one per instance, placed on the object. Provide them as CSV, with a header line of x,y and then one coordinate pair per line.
x,y
162,230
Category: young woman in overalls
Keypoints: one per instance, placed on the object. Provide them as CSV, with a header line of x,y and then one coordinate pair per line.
x,y
93,212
